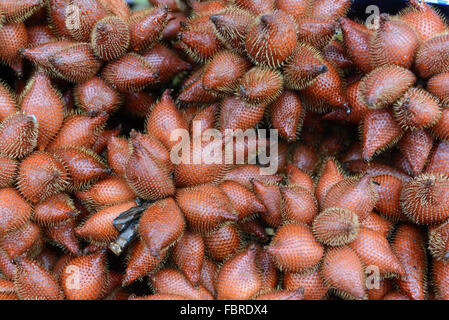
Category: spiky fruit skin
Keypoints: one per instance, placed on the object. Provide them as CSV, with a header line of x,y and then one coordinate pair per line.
x,y
25,239
223,243
409,247
299,204
55,209
161,225
96,96
14,38
32,282
357,39
99,228
260,86
438,86
438,159
270,196
188,254
421,199
331,10
90,11
440,277
39,54
110,38
41,100
263,41
336,227
239,278
438,241
8,104
294,248
172,281
18,135
389,190
330,173
9,170
84,277
206,207
236,114
146,27
41,175
342,270
416,146
315,31
432,57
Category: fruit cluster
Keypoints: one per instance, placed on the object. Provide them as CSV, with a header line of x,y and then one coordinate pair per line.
x,y
92,202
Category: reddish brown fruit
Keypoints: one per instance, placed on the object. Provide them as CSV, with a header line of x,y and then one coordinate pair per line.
x,y
297,294
270,196
16,211
95,96
8,104
260,86
438,161
271,39
297,177
298,204
161,225
439,86
441,128
205,207
209,275
138,103
254,228
89,12
39,54
32,282
374,250
118,7
439,241
416,146
395,295
314,288
394,43
57,17
389,189
432,56
26,238
294,248
336,54
304,157
79,130
173,282
110,38
188,254
379,224
41,100
256,7
408,246
378,292
378,132
336,227
141,263
295,8
106,192
331,10
342,270
166,61
41,175
315,31
118,155
357,39
75,63
8,172
207,7
244,175
54,210
14,37
130,73
422,199
239,278
146,27
355,194
236,114
85,277
287,115
99,228
330,174
18,135
223,243
63,235
14,11
38,35
440,276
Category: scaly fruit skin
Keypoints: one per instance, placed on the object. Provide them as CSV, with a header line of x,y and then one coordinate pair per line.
x,y
422,199
438,86
33,282
188,254
110,38
239,278
294,248
389,190
56,209
432,57
146,27
438,159
314,287
18,135
14,37
299,204
416,146
223,243
336,227
409,247
438,241
440,277
96,96
357,39
8,104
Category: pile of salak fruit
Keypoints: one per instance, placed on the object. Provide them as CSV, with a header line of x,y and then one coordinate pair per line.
x,y
92,205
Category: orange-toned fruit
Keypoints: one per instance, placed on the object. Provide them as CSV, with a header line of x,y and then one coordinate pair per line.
x,y
314,287
85,277
41,100
18,135
206,207
270,196
342,270
14,37
295,8
239,278
422,199
287,115
79,130
15,210
63,235
271,39
146,27
256,7
438,85
385,85
106,192
389,189
173,282
209,275
237,114
25,239
83,166
409,247
355,194
438,160
161,225
416,146
298,204
304,157
99,228
9,171
378,132
56,209
417,109
110,38
373,249
441,128
244,175
95,96
316,31
39,54
89,12
118,154
8,104
17,11
297,294
294,248
33,282
75,63
188,255
260,86
331,10
336,227
395,42
335,53
223,243
439,241
297,177
330,174
357,42
130,73
166,61
41,175
141,263
432,56
440,279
